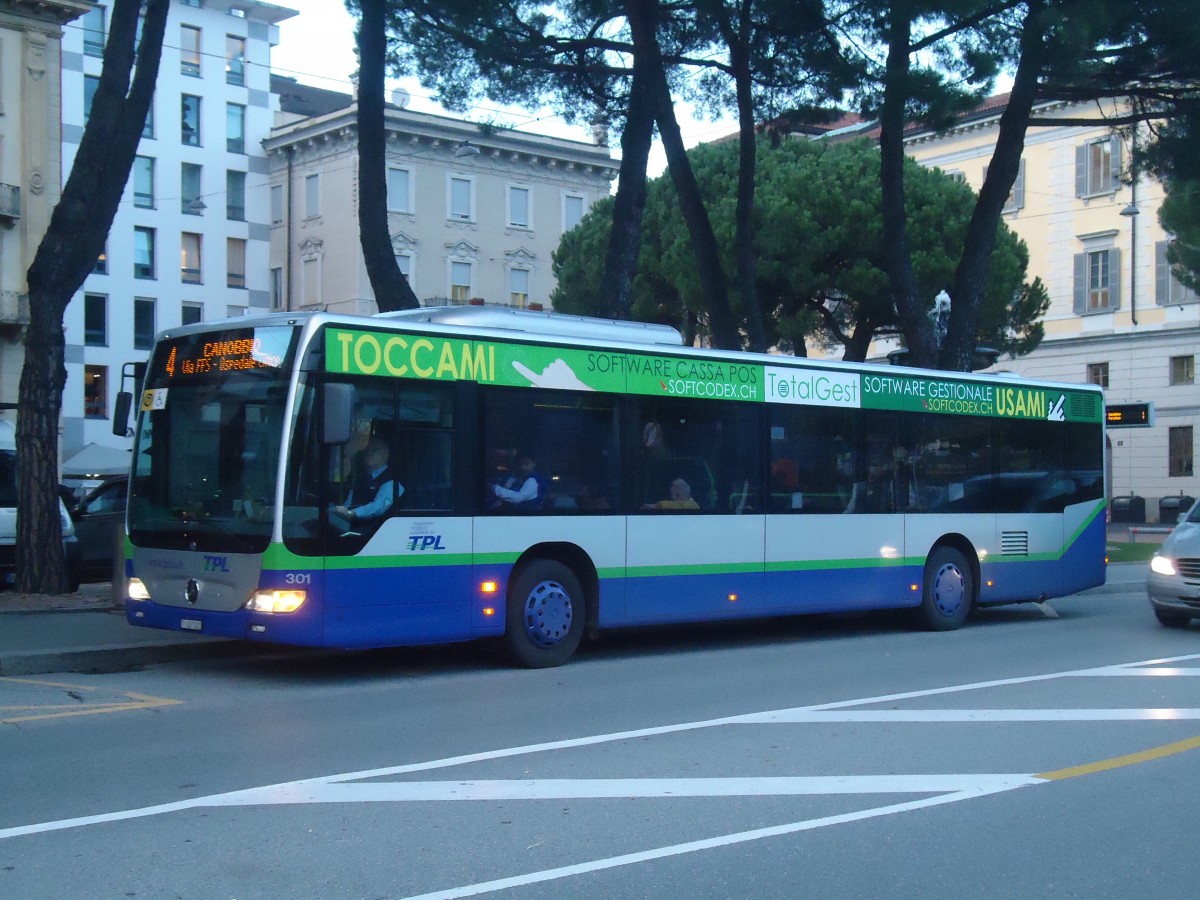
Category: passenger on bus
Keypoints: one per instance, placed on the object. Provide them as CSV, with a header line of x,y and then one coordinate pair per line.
x,y
374,490
681,497
525,489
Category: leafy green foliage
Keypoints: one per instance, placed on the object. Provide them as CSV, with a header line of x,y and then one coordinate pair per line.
x,y
820,249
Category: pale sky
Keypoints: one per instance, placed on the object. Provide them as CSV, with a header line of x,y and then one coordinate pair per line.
x,y
317,47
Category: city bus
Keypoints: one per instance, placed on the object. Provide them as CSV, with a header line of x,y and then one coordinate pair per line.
x,y
672,484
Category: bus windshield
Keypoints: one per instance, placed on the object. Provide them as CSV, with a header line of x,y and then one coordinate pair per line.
x,y
208,439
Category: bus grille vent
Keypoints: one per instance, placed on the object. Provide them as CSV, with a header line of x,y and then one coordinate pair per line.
x,y
1085,406
1014,543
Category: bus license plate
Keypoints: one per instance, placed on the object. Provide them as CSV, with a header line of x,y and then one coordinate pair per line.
x,y
191,624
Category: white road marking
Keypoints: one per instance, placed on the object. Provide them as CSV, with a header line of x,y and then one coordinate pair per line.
x,y
627,788
727,840
788,716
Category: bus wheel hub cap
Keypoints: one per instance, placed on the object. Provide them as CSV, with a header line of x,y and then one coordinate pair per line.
x,y
548,613
948,590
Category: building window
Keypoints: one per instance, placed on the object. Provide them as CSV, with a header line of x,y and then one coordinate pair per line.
x,y
1016,194
90,83
235,59
277,204
235,128
95,320
93,31
398,199
189,128
310,281
573,208
1183,370
460,281
235,195
95,392
1169,290
143,182
143,323
101,267
1097,281
404,264
312,196
1179,442
1097,373
459,200
518,288
143,253
189,189
1098,167
277,288
148,125
189,258
191,313
518,207
235,262
189,50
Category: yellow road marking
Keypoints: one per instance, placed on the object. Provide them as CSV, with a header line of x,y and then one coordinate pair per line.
x,y
61,711
1117,762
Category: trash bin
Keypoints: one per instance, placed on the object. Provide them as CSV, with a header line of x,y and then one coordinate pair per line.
x,y
1128,510
1169,508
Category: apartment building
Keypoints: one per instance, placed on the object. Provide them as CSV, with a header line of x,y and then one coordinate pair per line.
x,y
30,162
474,212
190,240
1118,318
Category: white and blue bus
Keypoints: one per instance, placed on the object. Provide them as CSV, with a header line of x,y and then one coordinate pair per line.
x,y
674,484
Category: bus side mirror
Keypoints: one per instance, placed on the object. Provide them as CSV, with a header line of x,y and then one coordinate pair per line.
x,y
338,400
120,422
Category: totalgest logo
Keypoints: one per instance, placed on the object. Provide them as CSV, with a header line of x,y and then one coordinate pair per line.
x,y
813,388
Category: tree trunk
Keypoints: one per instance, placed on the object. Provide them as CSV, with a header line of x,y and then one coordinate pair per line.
x,y
66,255
969,278
918,331
629,206
391,288
643,18
743,233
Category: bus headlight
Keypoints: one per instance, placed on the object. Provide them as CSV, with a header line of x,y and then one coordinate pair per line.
x,y
1162,565
275,601
136,590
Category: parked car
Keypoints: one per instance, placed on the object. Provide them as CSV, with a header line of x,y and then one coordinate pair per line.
x,y
8,516
1174,581
100,526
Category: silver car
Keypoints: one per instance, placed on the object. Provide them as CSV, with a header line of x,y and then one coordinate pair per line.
x,y
1174,581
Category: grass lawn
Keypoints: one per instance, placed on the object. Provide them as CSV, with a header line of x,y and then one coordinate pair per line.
x,y
1122,552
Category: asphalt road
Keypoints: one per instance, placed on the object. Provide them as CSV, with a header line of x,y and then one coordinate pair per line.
x,y
1041,751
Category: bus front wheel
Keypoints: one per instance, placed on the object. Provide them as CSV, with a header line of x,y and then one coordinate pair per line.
x,y
949,590
546,617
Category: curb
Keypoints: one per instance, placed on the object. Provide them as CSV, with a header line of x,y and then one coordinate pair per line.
x,y
117,657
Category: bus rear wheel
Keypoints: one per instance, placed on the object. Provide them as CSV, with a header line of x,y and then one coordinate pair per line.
x,y
546,616
949,590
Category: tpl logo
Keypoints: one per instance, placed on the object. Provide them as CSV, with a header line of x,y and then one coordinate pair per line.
x,y
420,542
216,563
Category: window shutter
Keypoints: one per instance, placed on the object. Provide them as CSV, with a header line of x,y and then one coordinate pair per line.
x,y
1080,283
1018,188
1115,146
1081,170
1114,278
1162,274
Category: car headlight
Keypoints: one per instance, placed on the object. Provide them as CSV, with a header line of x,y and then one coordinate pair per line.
x,y
1162,565
136,589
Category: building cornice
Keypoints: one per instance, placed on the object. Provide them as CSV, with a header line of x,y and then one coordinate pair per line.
x,y
440,136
